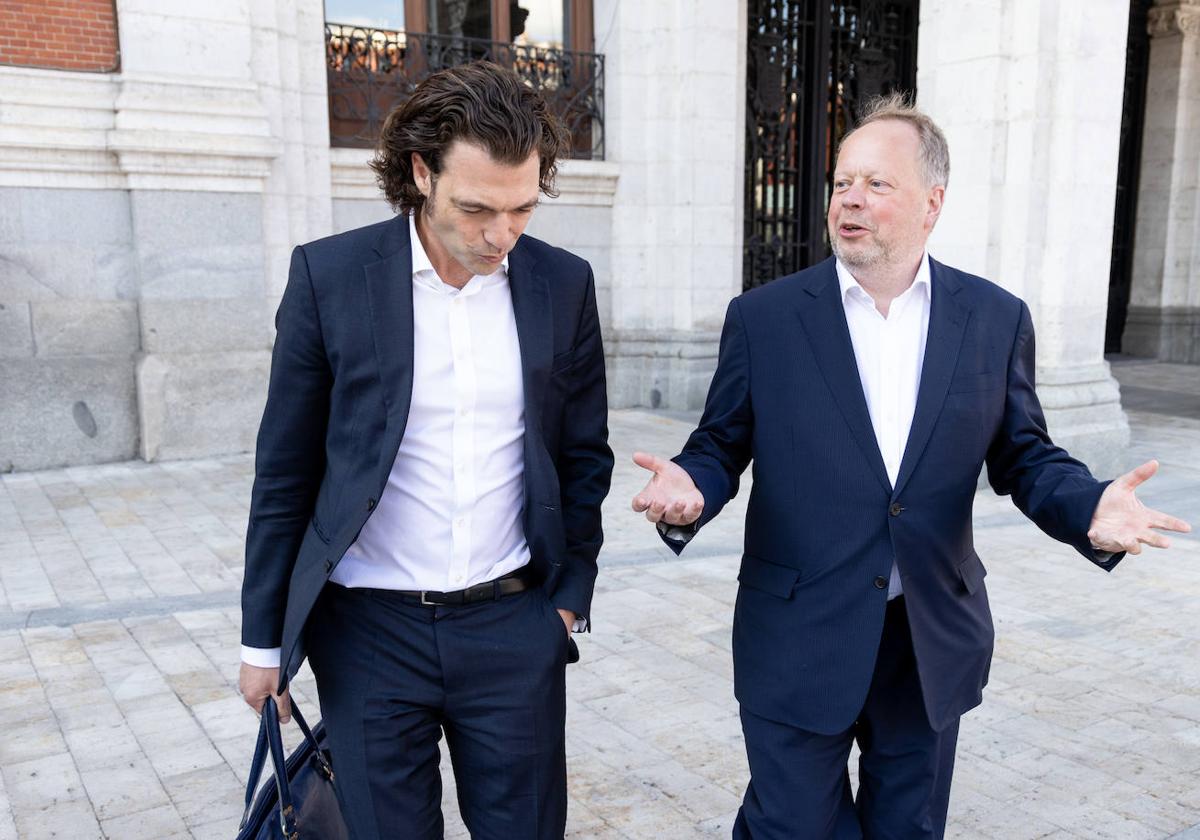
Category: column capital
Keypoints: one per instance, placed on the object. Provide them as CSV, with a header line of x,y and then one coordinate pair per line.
x,y
1187,18
1173,17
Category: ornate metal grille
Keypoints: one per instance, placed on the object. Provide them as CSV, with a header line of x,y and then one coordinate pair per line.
x,y
1133,118
370,71
810,66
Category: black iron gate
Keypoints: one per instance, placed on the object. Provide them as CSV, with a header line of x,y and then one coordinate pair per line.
x,y
810,66
1133,117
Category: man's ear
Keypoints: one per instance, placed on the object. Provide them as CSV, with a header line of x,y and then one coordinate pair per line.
x,y
933,206
422,174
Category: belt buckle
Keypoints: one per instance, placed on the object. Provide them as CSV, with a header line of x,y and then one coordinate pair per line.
x,y
425,601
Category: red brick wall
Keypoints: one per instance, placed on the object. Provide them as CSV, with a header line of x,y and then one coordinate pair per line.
x,y
59,34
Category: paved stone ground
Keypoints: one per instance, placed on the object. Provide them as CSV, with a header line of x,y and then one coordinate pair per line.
x,y
119,631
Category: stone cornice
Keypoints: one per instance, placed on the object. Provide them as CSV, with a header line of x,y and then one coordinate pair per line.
x,y
96,131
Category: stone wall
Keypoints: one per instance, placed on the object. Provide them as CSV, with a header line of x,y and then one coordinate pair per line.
x,y
674,118
145,223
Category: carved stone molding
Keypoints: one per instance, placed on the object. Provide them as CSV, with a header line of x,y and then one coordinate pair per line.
x,y
93,131
1188,20
1173,17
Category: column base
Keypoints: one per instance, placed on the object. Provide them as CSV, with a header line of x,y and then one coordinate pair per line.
x,y
1084,415
196,405
1166,333
660,369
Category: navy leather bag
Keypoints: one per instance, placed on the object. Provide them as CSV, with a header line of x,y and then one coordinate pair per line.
x,y
302,804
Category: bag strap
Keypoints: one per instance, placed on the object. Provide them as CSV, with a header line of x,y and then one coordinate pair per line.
x,y
270,740
312,741
287,811
256,768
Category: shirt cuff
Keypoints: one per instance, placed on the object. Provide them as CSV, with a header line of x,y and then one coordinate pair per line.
x,y
580,625
676,533
261,657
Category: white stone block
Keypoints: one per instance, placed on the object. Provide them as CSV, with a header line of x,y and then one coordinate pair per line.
x,y
16,331
85,327
195,405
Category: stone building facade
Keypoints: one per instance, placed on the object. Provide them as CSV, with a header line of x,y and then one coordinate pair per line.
x,y
147,214
1164,311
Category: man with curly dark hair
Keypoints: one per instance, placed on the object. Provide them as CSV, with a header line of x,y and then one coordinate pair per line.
x,y
425,516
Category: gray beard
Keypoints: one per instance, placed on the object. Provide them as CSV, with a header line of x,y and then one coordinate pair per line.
x,y
865,258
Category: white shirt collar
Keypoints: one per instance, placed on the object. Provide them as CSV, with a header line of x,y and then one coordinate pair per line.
x,y
424,273
847,282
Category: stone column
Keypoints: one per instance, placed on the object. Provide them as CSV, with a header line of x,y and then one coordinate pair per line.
x,y
68,311
674,120
1033,141
1164,305
220,131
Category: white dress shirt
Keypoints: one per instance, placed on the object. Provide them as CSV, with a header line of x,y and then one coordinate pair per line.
x,y
890,353
451,513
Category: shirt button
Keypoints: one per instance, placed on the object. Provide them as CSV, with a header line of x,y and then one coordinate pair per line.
x,y
895,509
881,582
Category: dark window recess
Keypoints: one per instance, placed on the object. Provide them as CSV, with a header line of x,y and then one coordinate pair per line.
x,y
1129,158
810,67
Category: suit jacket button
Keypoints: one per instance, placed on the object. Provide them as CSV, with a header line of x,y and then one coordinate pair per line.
x,y
895,509
370,504
881,582
328,564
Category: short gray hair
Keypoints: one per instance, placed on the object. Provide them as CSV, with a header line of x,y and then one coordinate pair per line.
x,y
935,152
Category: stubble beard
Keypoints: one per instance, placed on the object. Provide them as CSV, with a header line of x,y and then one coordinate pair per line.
x,y
868,255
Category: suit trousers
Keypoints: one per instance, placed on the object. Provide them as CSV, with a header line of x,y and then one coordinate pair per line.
x,y
393,675
799,781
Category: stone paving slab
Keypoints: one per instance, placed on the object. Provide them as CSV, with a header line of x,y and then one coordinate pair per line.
x,y
119,627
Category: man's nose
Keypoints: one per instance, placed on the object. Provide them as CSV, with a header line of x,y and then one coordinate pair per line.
x,y
853,196
499,234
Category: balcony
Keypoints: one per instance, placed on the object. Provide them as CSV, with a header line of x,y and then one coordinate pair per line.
x,y
371,71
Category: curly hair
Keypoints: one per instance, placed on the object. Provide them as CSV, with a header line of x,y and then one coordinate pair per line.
x,y
481,103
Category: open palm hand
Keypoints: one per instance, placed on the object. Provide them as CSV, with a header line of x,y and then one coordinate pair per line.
x,y
1122,523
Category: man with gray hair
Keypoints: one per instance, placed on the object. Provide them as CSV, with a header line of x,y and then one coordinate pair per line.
x,y
869,390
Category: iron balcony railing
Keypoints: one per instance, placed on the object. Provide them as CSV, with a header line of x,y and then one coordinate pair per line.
x,y
372,70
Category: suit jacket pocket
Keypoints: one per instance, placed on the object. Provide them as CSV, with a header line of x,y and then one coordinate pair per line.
x,y
768,577
972,572
972,382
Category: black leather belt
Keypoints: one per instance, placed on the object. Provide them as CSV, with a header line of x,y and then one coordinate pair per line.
x,y
492,590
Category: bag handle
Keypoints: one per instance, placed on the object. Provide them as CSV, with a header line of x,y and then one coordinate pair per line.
x,y
270,740
287,811
256,767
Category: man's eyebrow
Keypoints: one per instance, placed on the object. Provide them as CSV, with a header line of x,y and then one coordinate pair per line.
x,y
476,205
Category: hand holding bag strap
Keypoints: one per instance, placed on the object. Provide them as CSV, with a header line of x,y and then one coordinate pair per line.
x,y
287,812
256,767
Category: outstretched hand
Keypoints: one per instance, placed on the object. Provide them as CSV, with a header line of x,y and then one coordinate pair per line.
x,y
1122,523
670,495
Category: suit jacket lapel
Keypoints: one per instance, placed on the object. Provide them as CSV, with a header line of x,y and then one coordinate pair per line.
x,y
824,321
389,297
535,332
948,316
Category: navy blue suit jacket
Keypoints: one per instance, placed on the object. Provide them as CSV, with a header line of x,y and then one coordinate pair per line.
x,y
824,523
338,401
